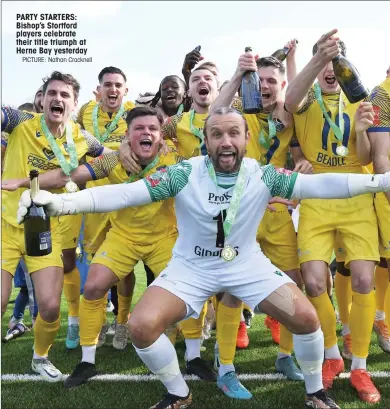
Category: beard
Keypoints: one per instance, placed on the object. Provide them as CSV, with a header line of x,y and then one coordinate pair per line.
x,y
221,167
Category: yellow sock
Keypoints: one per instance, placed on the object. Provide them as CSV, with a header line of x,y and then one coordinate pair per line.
x,y
343,292
104,309
286,341
72,285
192,328
44,334
381,281
91,320
124,304
215,303
361,320
387,306
245,307
228,321
327,318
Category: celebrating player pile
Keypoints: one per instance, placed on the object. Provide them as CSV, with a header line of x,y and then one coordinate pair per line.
x,y
237,266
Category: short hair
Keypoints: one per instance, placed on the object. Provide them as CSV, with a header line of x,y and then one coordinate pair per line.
x,y
271,62
223,111
208,63
27,106
67,78
110,70
203,69
341,44
143,111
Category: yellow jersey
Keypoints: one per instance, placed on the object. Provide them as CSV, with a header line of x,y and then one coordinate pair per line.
x,y
114,139
28,149
380,99
177,128
316,137
276,153
146,224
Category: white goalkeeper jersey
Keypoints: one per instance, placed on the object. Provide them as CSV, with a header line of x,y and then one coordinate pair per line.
x,y
201,207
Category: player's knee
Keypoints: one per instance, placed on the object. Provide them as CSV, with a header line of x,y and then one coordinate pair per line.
x,y
49,309
314,288
306,319
144,330
362,283
93,290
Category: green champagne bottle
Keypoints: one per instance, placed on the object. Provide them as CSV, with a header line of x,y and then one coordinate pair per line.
x,y
37,233
282,53
349,79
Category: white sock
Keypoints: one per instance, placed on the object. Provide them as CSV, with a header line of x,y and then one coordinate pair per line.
x,y
89,353
379,315
193,348
332,352
281,355
358,363
345,330
36,356
309,351
223,369
161,359
73,320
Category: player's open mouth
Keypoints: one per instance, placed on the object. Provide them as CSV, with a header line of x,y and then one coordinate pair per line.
x,y
57,110
330,79
203,91
227,158
265,95
146,144
112,98
171,97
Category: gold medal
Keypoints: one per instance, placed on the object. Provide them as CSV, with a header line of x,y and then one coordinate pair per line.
x,y
342,150
71,187
228,253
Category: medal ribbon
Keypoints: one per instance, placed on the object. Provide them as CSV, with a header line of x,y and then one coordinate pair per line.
x,y
141,174
66,166
263,140
180,109
337,130
236,198
112,126
196,131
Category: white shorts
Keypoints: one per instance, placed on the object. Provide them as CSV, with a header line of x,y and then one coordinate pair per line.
x,y
251,281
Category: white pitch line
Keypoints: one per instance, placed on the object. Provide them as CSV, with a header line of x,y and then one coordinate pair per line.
x,y
149,378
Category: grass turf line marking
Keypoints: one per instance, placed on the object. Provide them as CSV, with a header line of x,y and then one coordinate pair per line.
x,y
150,378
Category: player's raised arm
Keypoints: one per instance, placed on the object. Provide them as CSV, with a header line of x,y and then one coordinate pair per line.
x,y
379,132
299,87
364,118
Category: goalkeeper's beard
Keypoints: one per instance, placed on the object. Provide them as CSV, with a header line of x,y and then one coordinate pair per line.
x,y
221,167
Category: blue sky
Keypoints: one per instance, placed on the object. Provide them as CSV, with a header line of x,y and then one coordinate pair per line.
x,y
148,40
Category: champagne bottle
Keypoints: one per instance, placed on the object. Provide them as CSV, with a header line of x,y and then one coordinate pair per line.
x,y
349,79
37,234
251,91
282,53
